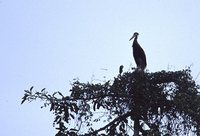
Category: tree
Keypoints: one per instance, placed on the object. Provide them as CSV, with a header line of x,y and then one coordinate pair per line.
x,y
149,104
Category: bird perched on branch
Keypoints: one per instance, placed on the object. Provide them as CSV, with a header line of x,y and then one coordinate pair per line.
x,y
121,69
138,53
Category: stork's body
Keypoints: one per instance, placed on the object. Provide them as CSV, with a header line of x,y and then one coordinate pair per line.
x,y
138,53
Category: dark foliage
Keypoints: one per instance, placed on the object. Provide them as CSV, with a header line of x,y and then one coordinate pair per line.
x,y
164,103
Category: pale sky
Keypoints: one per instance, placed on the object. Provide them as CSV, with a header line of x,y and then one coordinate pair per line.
x,y
46,44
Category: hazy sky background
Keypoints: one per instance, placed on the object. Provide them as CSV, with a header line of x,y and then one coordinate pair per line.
x,y
47,43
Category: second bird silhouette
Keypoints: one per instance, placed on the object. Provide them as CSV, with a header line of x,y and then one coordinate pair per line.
x,y
138,53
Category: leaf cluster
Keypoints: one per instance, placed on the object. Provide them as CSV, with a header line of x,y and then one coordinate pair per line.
x,y
166,102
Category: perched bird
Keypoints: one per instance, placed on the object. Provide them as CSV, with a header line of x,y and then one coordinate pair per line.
x,y
121,69
138,53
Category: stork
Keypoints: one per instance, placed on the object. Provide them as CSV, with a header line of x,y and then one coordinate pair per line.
x,y
138,53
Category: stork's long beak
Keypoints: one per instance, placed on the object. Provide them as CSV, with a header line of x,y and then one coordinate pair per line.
x,y
132,37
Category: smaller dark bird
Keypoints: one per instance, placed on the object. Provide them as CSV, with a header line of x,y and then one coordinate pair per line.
x,y
138,53
121,69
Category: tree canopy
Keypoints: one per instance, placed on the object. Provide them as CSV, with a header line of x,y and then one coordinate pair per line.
x,y
134,102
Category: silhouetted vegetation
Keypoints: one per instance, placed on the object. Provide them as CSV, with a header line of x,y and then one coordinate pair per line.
x,y
161,103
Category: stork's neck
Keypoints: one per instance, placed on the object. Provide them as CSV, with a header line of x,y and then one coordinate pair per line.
x,y
135,40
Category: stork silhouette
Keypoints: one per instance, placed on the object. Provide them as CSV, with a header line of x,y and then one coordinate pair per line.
x,y
138,53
